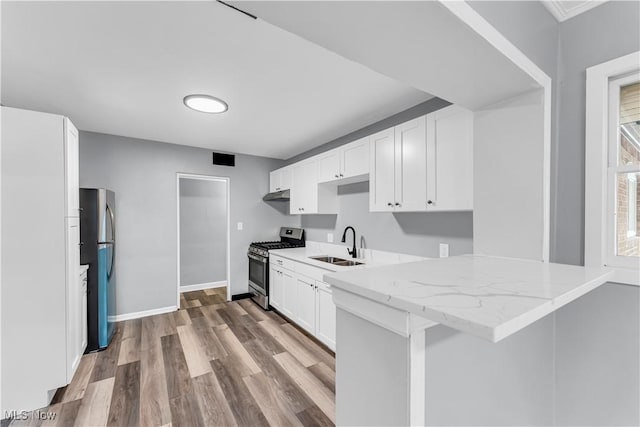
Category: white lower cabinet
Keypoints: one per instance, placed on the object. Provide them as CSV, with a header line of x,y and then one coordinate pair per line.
x,y
289,294
325,315
276,287
306,316
304,299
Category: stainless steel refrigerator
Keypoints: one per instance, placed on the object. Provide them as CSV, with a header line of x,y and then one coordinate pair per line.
x,y
98,250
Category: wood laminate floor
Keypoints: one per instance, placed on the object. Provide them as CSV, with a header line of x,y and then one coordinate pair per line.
x,y
211,363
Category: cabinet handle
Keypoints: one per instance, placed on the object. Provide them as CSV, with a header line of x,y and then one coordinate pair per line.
x,y
341,175
398,204
336,176
302,209
81,244
389,204
430,202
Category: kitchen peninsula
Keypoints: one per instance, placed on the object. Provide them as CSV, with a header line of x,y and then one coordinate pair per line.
x,y
402,328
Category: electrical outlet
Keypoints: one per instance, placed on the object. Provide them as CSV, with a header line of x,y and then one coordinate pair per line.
x,y
444,250
329,237
240,226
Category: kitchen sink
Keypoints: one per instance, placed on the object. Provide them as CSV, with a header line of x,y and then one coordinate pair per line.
x,y
347,263
336,261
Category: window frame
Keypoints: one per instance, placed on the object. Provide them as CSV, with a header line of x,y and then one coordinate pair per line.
x,y
599,194
632,182
614,168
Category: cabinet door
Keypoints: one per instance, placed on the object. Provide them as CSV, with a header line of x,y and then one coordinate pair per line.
x,y
74,302
304,188
276,289
381,176
329,166
83,316
306,316
274,180
325,316
285,178
411,166
354,158
450,159
289,294
72,169
297,189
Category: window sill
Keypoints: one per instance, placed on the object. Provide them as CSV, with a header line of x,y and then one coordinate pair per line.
x,y
625,276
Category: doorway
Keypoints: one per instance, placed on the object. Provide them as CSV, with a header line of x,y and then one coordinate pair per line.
x,y
203,239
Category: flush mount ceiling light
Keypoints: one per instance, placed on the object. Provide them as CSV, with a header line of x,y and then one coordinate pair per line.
x,y
205,104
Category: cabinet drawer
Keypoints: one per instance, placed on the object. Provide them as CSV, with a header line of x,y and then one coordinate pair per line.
x,y
312,272
282,262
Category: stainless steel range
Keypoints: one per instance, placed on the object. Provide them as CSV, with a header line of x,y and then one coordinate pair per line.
x,y
259,262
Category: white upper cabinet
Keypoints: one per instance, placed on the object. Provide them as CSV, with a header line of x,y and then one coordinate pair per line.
x,y
398,168
307,197
425,164
411,165
349,161
329,166
382,175
450,159
280,179
354,158
304,189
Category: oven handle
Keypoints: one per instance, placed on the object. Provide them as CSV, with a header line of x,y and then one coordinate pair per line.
x,y
258,258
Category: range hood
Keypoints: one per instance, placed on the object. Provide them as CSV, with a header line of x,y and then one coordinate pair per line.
x,y
283,195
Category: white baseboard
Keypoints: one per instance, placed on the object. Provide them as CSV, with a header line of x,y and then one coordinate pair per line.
x,y
139,314
201,286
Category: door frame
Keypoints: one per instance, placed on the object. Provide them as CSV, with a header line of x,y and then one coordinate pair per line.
x,y
227,182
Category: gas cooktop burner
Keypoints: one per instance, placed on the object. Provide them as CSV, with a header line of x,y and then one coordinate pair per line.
x,y
276,245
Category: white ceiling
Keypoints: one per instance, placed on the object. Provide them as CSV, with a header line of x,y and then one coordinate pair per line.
x,y
566,9
123,68
421,43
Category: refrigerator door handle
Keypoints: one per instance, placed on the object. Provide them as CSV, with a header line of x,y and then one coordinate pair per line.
x,y
113,223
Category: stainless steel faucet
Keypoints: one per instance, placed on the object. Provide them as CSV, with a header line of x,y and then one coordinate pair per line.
x,y
352,252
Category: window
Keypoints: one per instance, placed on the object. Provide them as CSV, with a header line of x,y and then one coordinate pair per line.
x,y
623,169
612,167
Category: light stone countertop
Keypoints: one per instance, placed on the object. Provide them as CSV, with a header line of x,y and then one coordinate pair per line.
x,y
489,297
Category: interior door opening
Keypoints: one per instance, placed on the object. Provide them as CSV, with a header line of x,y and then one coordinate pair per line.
x,y
203,235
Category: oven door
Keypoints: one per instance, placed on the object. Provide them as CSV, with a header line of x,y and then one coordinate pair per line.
x,y
259,273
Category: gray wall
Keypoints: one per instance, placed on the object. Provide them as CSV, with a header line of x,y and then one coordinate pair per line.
x,y
604,33
143,176
203,231
597,337
421,109
409,233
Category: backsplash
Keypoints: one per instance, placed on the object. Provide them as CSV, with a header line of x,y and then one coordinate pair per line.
x,y
370,255
414,233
